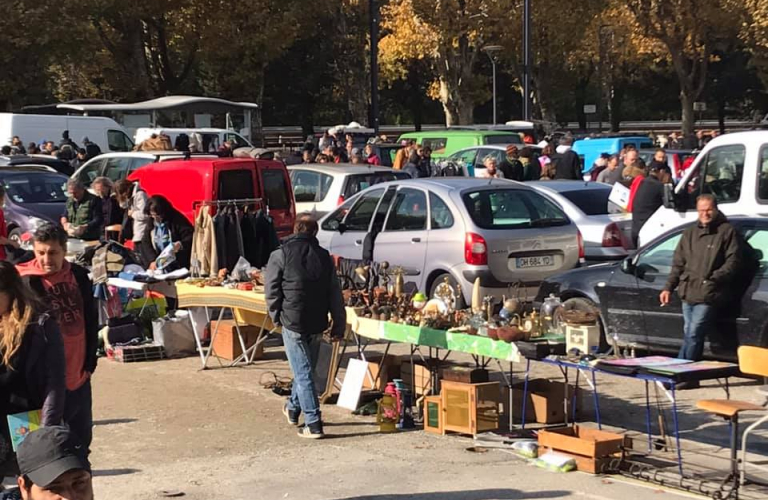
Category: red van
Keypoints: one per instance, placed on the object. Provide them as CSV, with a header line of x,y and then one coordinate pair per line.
x,y
185,183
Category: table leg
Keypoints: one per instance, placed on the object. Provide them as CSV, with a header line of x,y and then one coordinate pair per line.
x,y
213,339
677,430
596,398
525,392
565,395
243,349
573,398
511,403
199,342
648,417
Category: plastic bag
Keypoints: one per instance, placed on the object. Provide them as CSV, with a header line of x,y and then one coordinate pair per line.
x,y
528,448
242,270
166,257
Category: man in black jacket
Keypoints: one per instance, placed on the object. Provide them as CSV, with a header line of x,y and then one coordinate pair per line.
x,y
66,289
567,162
706,260
301,289
648,199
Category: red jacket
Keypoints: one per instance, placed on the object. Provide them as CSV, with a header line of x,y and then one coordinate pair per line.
x,y
633,190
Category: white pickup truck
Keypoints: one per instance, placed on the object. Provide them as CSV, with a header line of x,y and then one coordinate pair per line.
x,y
732,167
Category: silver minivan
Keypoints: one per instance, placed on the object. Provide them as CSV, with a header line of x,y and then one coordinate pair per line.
x,y
504,233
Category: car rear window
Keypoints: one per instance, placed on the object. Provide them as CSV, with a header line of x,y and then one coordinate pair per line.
x,y
235,184
512,209
358,182
275,189
589,201
503,139
39,187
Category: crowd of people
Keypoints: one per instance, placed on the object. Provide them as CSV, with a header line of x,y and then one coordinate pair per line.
x,y
66,150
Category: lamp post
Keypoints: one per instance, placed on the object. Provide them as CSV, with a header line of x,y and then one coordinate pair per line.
x,y
527,105
492,52
373,8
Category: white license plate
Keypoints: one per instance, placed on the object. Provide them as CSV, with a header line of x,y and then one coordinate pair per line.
x,y
540,261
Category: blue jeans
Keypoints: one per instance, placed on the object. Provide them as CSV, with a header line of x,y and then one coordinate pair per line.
x,y
698,320
302,352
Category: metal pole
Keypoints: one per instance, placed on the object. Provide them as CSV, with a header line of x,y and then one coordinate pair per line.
x,y
493,63
527,60
373,6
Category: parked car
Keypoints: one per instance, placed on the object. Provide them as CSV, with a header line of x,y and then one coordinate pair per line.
x,y
606,231
212,138
458,229
676,159
321,187
444,143
626,295
54,163
186,183
34,195
590,149
732,167
105,132
118,166
471,159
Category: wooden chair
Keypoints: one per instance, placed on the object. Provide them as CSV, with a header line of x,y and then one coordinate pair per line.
x,y
752,361
114,228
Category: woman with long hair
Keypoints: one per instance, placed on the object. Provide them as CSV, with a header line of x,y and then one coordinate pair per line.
x,y
31,360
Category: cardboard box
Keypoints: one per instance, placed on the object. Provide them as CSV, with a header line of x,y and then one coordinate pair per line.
x,y
390,370
545,401
227,344
582,441
420,377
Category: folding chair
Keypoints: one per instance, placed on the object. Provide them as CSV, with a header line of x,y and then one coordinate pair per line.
x,y
752,361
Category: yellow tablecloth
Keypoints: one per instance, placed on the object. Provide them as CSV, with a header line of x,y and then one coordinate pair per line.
x,y
250,307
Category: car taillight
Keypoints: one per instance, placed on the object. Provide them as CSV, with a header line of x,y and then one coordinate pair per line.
x,y
612,236
341,200
581,246
475,250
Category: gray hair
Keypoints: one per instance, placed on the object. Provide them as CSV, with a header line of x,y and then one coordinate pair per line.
x,y
489,157
75,184
105,181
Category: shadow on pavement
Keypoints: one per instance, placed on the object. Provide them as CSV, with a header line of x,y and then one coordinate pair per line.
x,y
490,494
115,421
114,472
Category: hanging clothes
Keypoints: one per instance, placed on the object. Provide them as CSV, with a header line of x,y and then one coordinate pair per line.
x,y
260,238
205,259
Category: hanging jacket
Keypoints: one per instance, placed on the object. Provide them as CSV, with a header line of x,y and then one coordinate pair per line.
x,y
204,250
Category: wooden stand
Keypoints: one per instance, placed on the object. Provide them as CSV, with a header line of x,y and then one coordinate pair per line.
x,y
470,408
433,414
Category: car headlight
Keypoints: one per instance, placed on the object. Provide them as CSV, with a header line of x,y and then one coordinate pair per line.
x,y
36,222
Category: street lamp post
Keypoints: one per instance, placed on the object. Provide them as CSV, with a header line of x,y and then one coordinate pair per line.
x,y
527,105
492,52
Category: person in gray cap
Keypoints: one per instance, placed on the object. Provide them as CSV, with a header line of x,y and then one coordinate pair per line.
x,y
53,465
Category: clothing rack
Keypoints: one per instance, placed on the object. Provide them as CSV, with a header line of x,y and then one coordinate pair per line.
x,y
219,203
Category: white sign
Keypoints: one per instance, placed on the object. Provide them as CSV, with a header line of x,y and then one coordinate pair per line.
x,y
590,109
353,384
619,195
699,106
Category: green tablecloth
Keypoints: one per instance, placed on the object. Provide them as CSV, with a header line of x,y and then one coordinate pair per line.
x,y
441,339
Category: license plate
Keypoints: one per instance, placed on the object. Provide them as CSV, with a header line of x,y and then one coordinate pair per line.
x,y
540,261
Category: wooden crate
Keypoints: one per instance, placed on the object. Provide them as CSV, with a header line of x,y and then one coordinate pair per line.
x,y
420,377
137,353
582,441
470,408
227,344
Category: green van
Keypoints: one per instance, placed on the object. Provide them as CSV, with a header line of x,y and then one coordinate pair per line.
x,y
443,143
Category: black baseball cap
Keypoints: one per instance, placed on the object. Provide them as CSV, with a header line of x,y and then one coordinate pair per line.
x,y
49,452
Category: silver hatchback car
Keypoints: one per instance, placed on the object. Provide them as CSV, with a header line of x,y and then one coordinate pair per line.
x,y
461,229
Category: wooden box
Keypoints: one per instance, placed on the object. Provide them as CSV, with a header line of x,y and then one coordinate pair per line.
x,y
470,408
545,401
420,377
465,375
433,414
582,441
226,345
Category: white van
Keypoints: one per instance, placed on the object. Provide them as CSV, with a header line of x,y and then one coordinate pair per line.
x,y
37,128
733,168
212,137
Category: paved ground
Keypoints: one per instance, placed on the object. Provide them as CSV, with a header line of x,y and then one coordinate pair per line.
x,y
219,434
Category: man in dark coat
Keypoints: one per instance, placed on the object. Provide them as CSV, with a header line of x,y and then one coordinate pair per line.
x,y
706,260
648,199
301,289
512,167
567,162
68,291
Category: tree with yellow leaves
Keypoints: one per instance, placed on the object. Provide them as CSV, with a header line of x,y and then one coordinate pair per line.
x,y
450,35
689,31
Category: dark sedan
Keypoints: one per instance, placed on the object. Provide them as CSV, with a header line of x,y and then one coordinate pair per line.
x,y
34,195
58,165
626,294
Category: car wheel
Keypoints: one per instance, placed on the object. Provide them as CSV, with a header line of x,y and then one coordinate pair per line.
x,y
15,235
440,280
586,305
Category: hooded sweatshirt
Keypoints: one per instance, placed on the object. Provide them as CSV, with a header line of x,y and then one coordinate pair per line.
x,y
66,304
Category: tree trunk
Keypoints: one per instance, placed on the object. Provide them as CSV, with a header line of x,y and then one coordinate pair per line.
x,y
721,114
457,110
689,119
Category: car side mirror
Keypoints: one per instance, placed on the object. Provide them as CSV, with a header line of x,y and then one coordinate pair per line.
x,y
342,228
669,197
628,266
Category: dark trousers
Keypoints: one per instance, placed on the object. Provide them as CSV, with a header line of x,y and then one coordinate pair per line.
x,y
78,413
